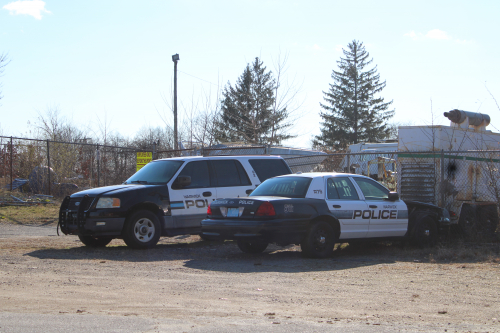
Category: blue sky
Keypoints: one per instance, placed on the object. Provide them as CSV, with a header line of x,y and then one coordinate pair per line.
x,y
93,59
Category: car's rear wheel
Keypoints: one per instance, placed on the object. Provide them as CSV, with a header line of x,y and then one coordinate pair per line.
x,y
92,241
142,230
319,240
252,246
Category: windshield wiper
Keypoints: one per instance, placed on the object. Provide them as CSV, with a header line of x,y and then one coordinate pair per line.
x,y
139,182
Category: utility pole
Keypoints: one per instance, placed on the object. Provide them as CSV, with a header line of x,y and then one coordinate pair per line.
x,y
175,58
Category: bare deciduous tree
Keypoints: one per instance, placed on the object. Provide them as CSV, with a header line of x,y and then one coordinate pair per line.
x,y
286,93
3,62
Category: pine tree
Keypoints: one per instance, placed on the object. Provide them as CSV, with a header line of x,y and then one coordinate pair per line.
x,y
249,112
353,110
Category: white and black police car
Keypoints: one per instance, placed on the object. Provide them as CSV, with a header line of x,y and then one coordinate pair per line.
x,y
167,197
317,210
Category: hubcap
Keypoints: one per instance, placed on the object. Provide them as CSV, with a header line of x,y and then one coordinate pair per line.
x,y
320,239
144,230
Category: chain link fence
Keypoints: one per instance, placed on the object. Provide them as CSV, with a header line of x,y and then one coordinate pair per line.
x,y
466,183
445,178
59,168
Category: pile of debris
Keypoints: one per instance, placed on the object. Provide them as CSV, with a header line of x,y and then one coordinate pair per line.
x,y
22,200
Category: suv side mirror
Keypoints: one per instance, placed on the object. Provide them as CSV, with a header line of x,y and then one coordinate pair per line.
x,y
181,182
393,196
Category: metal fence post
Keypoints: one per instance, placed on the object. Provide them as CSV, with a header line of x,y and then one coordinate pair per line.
x,y
98,157
11,158
48,163
442,178
348,163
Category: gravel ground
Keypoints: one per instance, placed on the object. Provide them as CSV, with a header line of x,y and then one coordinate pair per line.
x,y
54,284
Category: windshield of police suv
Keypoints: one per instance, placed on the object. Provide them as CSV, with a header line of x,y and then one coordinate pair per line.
x,y
156,172
289,187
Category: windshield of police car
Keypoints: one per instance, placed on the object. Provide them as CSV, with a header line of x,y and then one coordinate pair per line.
x,y
156,172
289,187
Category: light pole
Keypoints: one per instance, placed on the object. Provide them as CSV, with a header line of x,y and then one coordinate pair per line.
x,y
175,58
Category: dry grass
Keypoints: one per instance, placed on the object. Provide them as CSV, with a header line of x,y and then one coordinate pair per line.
x,y
466,252
41,214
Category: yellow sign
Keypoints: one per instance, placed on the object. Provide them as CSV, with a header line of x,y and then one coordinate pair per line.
x,y
143,158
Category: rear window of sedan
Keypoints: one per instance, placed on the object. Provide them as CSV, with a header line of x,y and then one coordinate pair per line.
x,y
288,187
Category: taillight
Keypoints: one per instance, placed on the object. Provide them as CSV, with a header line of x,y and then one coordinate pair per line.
x,y
266,209
209,210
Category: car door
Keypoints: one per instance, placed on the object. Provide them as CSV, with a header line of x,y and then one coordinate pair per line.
x,y
231,179
189,203
345,204
387,218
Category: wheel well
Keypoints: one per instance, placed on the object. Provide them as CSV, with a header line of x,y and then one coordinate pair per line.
x,y
330,220
146,206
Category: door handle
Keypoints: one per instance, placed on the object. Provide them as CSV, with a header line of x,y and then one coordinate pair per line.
x,y
337,206
207,194
248,191
373,206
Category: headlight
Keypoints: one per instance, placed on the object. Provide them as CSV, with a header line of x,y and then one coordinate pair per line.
x,y
108,203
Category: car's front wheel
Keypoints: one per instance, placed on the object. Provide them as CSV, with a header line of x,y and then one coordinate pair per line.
x,y
425,232
142,230
319,240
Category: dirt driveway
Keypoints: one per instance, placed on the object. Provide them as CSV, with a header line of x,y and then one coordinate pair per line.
x,y
53,284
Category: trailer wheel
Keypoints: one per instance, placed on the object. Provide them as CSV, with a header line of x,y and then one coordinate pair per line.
x,y
424,233
253,247
92,241
319,240
478,223
142,230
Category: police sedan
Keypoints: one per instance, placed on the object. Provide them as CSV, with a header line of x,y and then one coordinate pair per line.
x,y
317,210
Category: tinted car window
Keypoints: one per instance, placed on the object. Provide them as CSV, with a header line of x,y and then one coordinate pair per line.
x,y
344,188
198,171
229,173
289,187
331,190
155,172
371,189
268,168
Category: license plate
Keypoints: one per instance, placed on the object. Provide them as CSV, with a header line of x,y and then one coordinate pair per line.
x,y
233,212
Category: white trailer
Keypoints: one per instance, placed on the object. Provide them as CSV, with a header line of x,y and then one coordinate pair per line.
x,y
371,161
433,168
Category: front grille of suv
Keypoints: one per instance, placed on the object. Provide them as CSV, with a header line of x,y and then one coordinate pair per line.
x,y
74,204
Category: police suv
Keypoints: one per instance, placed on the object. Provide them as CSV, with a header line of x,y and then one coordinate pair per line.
x,y
317,210
166,197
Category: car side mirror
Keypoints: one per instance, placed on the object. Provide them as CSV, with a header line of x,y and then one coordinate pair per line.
x,y
393,196
181,182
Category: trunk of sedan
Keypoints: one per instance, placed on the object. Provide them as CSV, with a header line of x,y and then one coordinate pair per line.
x,y
241,208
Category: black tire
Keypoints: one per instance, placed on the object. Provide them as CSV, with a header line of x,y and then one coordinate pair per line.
x,y
424,232
253,247
142,230
319,240
92,241
478,223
